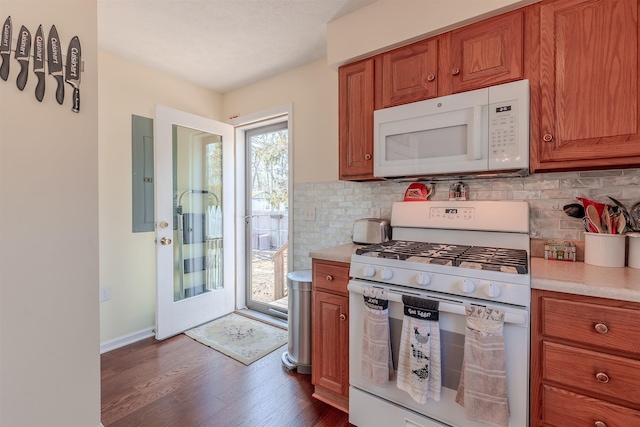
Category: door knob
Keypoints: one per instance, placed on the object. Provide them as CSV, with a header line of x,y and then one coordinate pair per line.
x,y
165,241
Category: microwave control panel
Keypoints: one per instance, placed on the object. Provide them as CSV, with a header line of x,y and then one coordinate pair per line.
x,y
503,130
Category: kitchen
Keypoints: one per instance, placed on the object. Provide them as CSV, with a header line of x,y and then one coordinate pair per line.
x,y
315,187
565,147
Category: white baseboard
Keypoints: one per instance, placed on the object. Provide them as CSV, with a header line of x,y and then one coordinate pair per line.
x,y
126,340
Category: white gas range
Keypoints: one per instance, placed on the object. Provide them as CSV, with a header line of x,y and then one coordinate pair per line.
x,y
461,254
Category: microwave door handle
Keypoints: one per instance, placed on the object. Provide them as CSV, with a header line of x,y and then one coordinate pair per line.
x,y
476,133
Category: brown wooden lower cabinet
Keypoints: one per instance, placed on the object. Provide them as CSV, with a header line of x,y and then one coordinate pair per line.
x,y
585,361
330,337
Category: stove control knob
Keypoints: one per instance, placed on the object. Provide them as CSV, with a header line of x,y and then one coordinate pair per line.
x,y
467,286
423,279
386,273
492,290
368,271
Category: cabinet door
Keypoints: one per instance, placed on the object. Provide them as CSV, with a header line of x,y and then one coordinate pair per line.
x,y
588,85
409,73
487,53
330,356
355,92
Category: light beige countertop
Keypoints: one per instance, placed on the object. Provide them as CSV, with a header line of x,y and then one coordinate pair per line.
x,y
621,283
340,253
560,276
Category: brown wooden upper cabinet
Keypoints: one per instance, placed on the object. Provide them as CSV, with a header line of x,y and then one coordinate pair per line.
x,y
589,88
486,53
409,73
355,124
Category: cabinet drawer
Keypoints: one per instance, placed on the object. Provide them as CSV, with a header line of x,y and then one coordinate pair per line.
x,y
592,371
591,324
330,276
563,408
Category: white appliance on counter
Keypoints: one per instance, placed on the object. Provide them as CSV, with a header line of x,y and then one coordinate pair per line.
x,y
459,253
484,131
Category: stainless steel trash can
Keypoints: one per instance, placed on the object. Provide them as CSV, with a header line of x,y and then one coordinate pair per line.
x,y
298,356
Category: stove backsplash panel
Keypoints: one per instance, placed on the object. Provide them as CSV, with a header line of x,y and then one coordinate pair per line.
x,y
338,204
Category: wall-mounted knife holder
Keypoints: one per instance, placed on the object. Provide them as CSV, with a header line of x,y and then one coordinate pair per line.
x,y
16,34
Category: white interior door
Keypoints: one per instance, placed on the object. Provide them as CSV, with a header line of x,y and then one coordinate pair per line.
x,y
194,190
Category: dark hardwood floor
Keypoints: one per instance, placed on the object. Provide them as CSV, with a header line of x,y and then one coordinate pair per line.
x,y
180,382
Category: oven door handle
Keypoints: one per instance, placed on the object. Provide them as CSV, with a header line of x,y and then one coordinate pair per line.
x,y
512,316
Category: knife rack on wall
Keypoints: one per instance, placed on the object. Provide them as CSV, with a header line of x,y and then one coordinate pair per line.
x,y
50,53
14,37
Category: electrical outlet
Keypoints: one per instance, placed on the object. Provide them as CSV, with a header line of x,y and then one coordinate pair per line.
x,y
375,212
105,293
308,213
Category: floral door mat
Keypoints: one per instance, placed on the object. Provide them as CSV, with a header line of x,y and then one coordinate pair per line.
x,y
240,337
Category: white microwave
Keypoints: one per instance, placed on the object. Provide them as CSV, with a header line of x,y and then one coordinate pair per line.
x,y
483,132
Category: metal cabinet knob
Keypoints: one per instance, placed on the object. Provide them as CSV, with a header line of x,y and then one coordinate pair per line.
x,y
431,78
165,241
343,317
455,71
329,278
602,328
601,377
547,137
599,424
367,156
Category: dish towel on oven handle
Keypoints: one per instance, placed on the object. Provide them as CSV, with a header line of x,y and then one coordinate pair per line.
x,y
376,363
419,354
483,381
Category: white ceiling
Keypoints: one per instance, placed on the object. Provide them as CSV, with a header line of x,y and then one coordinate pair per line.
x,y
222,45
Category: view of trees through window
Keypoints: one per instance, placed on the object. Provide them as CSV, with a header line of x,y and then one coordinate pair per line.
x,y
270,166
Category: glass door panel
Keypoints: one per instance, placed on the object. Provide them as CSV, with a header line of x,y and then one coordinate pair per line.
x,y
198,187
267,217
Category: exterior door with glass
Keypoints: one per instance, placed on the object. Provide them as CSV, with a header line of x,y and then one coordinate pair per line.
x,y
194,220
267,217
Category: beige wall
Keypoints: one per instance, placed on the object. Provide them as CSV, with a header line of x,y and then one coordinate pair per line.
x,y
313,91
49,323
127,259
389,23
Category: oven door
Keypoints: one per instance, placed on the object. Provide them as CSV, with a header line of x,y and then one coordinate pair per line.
x,y
369,403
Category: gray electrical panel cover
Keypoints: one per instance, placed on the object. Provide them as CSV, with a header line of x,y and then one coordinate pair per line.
x,y
142,173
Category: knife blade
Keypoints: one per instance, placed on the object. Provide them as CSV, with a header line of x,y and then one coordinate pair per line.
x,y
23,50
38,62
54,62
5,48
72,75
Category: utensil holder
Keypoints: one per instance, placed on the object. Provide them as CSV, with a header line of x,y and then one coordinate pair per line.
x,y
604,250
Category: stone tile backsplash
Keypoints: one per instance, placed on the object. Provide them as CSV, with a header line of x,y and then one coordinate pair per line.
x,y
337,204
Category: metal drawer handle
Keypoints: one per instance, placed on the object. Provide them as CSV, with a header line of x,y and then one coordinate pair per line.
x,y
602,328
343,317
329,278
601,377
599,424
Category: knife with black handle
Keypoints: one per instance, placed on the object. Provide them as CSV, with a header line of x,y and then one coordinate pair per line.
x,y
54,62
23,50
5,48
72,74
38,62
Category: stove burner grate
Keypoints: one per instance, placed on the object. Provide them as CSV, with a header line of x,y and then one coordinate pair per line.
x,y
473,257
